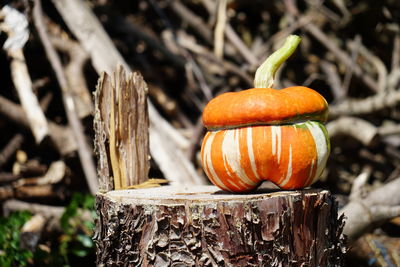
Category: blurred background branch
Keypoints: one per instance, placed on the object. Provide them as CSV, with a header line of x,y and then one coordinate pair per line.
x,y
188,52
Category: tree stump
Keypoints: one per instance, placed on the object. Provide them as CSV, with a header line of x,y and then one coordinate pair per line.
x,y
204,226
194,225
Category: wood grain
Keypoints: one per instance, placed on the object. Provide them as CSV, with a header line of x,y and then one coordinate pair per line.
x,y
203,226
121,125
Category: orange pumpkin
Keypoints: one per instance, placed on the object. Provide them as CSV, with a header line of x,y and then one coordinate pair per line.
x,y
265,134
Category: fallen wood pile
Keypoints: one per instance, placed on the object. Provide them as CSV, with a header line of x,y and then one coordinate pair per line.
x,y
189,52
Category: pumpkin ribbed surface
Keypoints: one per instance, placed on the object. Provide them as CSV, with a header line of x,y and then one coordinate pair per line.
x,y
265,106
265,134
291,156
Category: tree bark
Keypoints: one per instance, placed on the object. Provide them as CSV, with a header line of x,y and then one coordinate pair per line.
x,y
203,226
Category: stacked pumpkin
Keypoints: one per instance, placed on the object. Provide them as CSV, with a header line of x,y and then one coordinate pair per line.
x,y
265,134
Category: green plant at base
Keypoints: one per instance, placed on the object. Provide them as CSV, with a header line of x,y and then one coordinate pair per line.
x,y
10,252
77,224
75,241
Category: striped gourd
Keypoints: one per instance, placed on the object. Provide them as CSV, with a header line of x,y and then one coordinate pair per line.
x,y
291,156
265,134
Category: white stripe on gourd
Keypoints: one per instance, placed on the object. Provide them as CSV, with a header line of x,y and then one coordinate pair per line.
x,y
289,168
250,151
276,141
209,168
232,156
321,144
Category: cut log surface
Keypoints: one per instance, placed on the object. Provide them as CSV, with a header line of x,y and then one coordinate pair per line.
x,y
204,226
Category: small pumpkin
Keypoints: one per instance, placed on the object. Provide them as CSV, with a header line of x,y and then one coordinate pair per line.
x,y
266,134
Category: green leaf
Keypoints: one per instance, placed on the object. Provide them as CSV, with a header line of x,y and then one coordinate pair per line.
x,y
10,227
80,252
85,240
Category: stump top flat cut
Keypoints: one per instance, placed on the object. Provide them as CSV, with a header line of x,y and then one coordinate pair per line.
x,y
167,195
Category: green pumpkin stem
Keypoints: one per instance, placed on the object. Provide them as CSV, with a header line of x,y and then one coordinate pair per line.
x,y
265,74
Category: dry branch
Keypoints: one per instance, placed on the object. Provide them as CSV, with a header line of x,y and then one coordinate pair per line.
x,y
367,105
29,102
390,129
45,210
6,177
52,214
333,79
54,174
374,60
15,24
378,206
9,150
84,150
31,232
233,38
358,187
74,73
166,143
219,29
195,21
38,191
30,192
359,129
129,27
203,52
28,168
341,55
60,135
349,70
35,224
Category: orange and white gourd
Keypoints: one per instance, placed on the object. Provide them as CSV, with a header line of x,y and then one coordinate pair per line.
x,y
265,134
